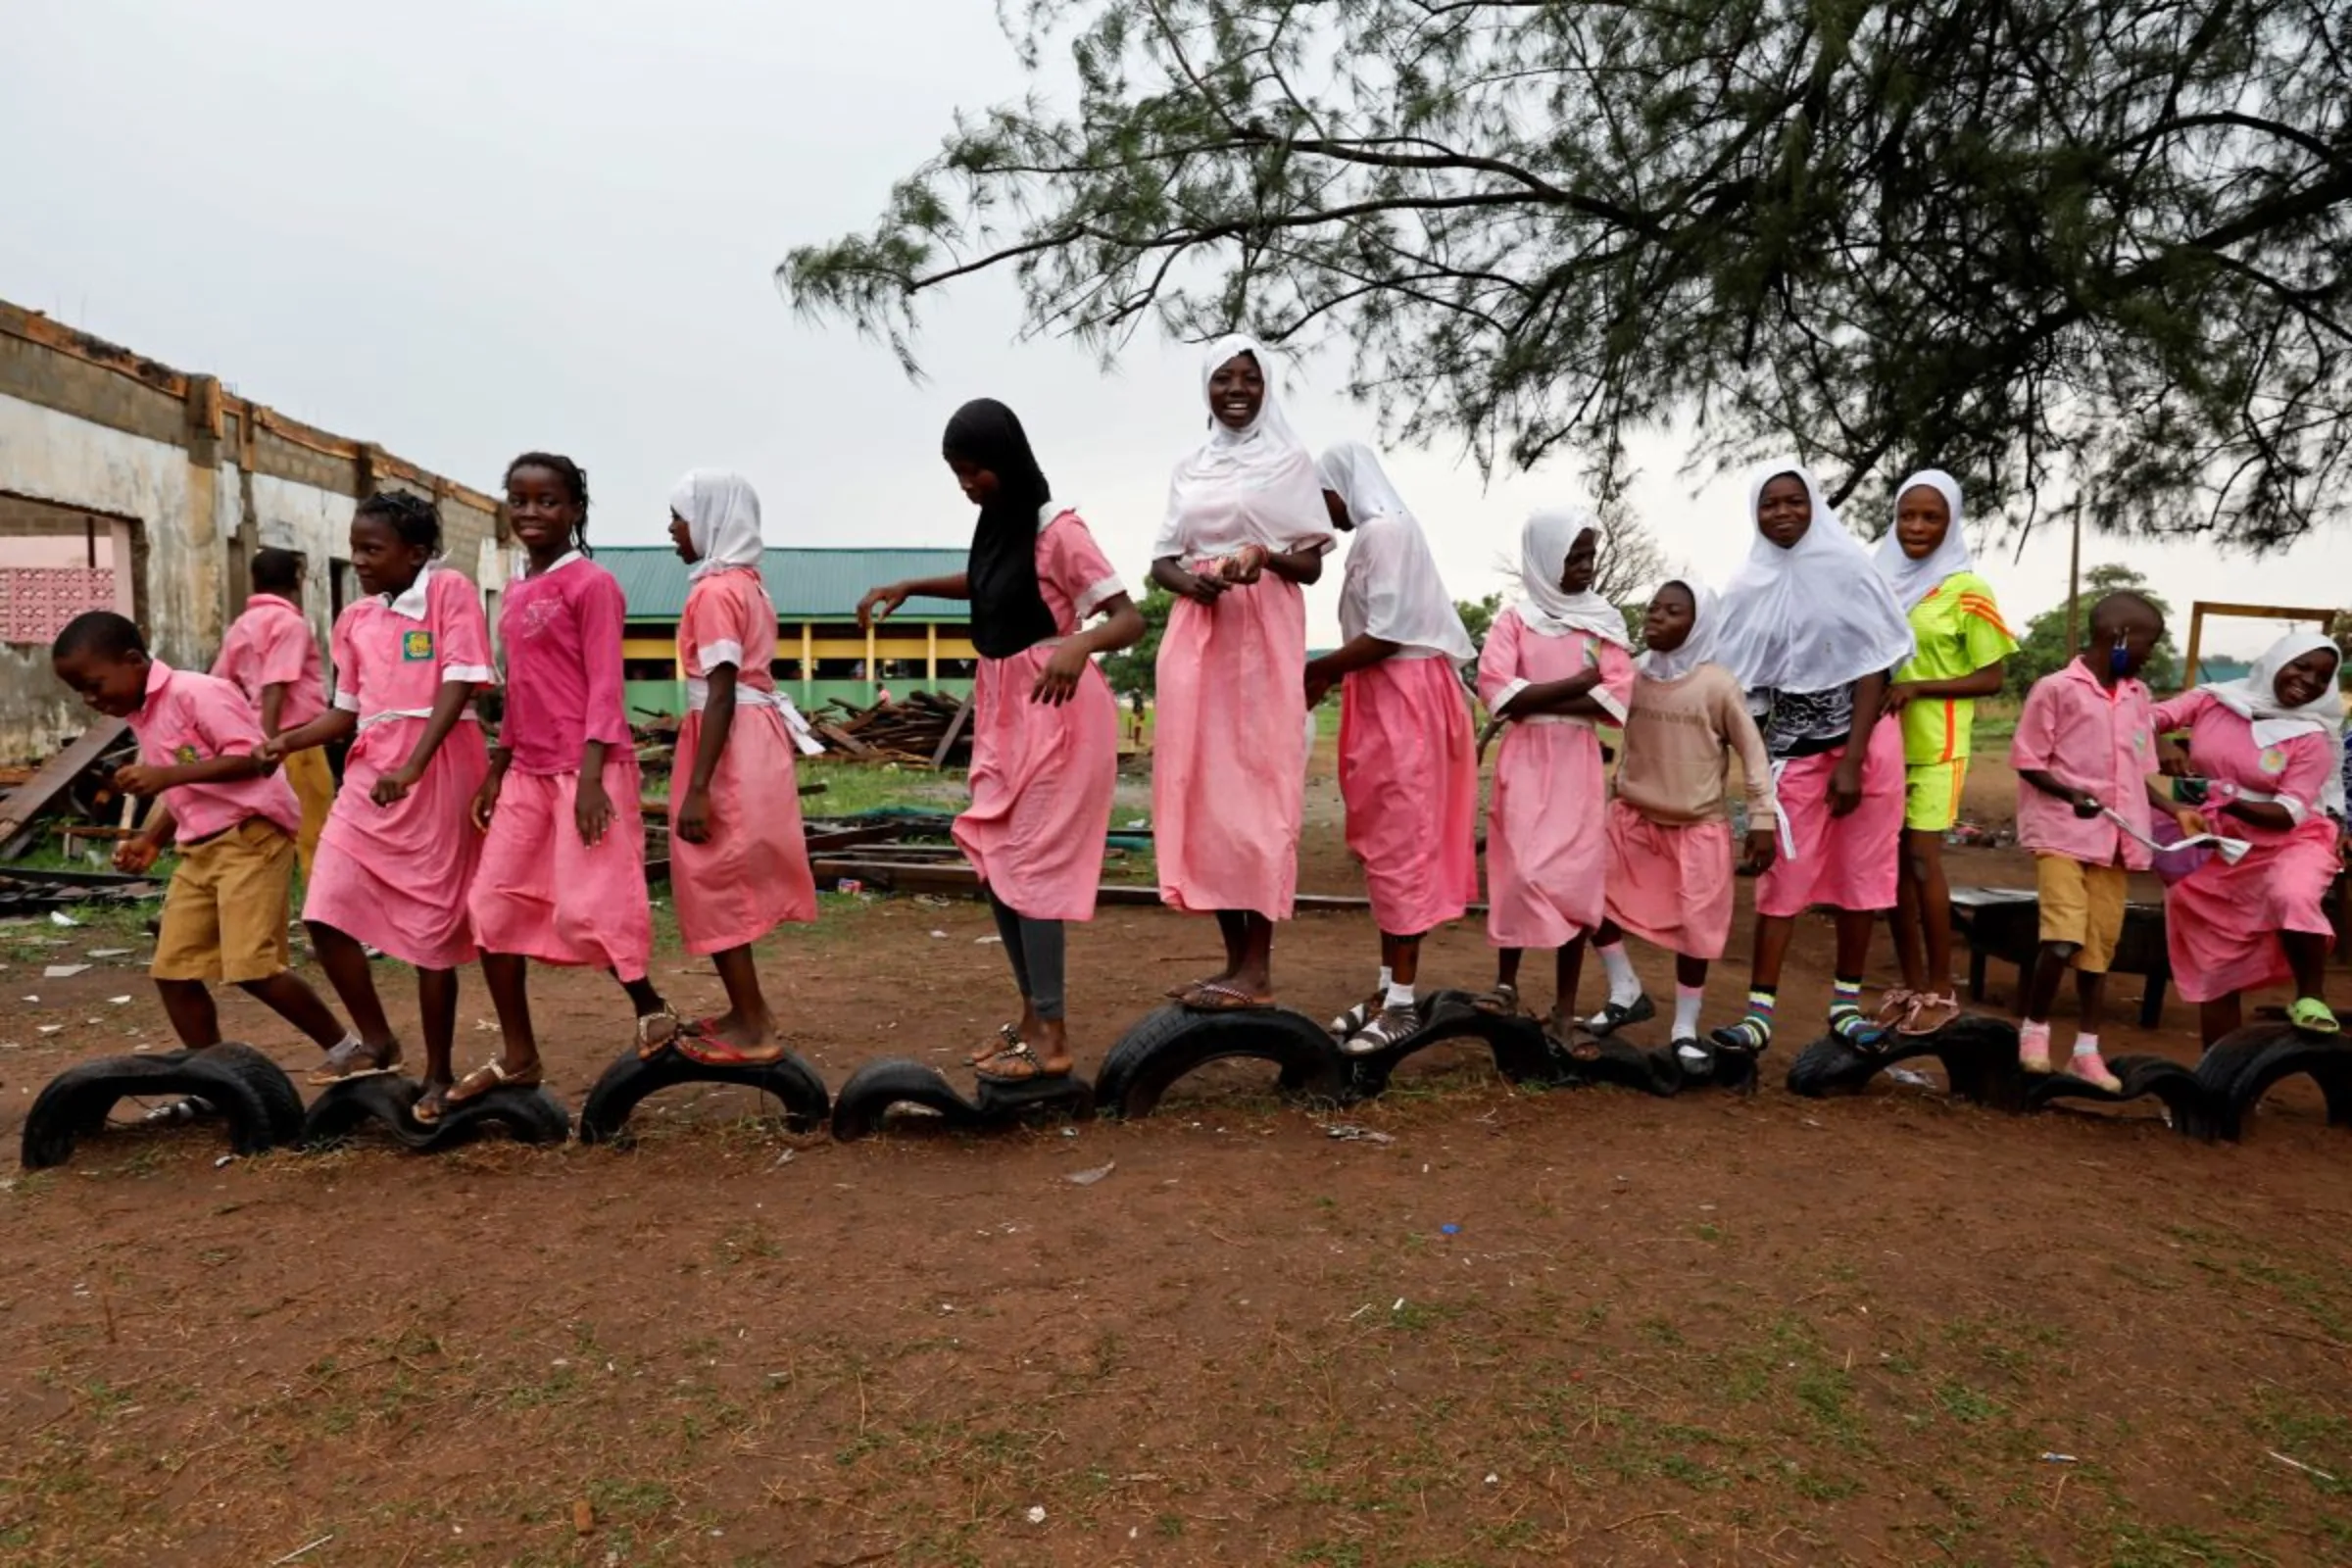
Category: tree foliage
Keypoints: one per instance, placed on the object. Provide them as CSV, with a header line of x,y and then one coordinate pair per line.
x,y
1130,670
2043,648
2084,254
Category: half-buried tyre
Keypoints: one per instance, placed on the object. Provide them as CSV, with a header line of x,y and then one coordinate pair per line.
x,y
387,1102
2188,1104
879,1087
788,1080
1522,1052
1172,1042
2244,1066
1979,1057
255,1099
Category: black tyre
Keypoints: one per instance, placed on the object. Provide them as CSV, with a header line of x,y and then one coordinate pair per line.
x,y
1979,1057
1171,1041
873,1090
2248,1064
256,1101
791,1082
2175,1087
1522,1054
523,1115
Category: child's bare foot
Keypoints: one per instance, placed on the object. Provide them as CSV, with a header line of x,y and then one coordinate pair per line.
x,y
495,1074
729,1041
430,1104
1185,991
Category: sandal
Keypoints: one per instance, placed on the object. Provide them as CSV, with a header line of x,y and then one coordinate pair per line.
x,y
492,1074
1926,1015
1504,1000
1357,1019
2314,1016
1007,1037
1030,1067
1897,1006
352,1059
698,1043
1215,996
647,1048
430,1105
1616,1015
1384,1029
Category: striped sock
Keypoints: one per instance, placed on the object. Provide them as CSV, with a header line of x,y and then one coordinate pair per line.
x,y
1845,996
1761,1001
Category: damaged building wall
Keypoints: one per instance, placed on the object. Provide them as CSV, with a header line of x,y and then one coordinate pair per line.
x,y
183,482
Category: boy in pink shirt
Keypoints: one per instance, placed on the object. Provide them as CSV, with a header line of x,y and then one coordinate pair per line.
x,y
270,656
225,915
2085,747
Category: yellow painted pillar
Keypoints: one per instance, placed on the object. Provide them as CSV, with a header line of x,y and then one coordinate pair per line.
x,y
931,655
873,670
807,665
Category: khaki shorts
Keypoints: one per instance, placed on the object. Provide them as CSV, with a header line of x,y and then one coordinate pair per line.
x,y
224,916
314,784
2082,905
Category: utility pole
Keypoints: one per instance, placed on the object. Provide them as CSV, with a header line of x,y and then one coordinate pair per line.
x,y
2073,588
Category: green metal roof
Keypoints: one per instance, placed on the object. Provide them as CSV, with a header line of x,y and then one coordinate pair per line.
x,y
806,585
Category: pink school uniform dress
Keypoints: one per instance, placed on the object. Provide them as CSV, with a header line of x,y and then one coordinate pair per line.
x,y
540,892
395,876
1849,861
1043,773
1547,850
271,645
753,873
2221,921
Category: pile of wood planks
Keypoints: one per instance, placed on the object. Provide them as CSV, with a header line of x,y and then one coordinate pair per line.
x,y
922,730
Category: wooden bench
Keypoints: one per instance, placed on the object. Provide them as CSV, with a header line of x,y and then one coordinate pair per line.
x,y
2005,923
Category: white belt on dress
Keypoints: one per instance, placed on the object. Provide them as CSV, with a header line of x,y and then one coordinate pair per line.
x,y
387,714
803,741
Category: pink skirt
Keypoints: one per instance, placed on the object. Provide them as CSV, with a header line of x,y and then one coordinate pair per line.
x,y
2221,921
1849,861
753,874
543,893
1229,750
1670,883
395,876
1408,771
1042,781
1548,852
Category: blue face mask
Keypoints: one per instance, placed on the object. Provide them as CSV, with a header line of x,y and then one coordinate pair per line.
x,y
2118,661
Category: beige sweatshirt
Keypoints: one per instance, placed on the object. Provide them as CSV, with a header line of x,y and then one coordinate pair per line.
x,y
1676,766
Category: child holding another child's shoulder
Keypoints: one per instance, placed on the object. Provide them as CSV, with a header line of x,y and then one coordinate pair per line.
x,y
224,916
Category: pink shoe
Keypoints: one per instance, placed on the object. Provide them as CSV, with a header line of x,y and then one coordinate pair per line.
x,y
2092,1068
2034,1057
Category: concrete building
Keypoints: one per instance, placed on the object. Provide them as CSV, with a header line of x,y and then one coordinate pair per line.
x,y
128,485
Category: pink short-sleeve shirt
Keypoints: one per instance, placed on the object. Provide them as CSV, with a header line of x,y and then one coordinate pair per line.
x,y
729,619
1073,574
2090,739
563,628
393,655
1515,659
271,645
187,717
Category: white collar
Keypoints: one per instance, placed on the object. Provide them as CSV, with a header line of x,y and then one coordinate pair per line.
x,y
410,602
566,560
1052,510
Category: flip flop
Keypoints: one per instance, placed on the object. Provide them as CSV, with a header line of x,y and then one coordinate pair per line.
x,y
344,1062
2314,1016
647,1048
696,1043
430,1105
1033,1067
1218,996
491,1074
1008,1036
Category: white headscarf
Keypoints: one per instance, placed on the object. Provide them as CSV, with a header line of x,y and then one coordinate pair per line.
x,y
1392,589
722,521
1812,617
1913,580
2255,699
1697,648
1244,487
1547,608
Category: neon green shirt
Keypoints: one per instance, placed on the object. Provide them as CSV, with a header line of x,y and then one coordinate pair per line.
x,y
1959,632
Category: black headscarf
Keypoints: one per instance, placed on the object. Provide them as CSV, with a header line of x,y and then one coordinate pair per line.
x,y
1009,616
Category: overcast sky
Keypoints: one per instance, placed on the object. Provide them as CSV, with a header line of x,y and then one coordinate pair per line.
x,y
466,228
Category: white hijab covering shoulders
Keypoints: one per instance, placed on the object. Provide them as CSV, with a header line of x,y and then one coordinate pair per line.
x,y
1706,619
1813,618
2255,699
1244,487
722,521
1392,589
1546,607
1914,580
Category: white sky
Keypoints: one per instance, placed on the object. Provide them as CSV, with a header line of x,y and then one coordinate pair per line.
x,y
466,228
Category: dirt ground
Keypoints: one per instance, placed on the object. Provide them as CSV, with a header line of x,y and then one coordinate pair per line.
x,y
1579,1327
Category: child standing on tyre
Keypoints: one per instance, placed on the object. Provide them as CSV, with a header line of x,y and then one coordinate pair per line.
x,y
236,821
738,860
2085,747
1044,726
561,812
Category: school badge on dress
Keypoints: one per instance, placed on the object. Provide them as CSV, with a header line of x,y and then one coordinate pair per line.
x,y
416,647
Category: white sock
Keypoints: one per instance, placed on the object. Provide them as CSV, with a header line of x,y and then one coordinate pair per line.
x,y
1687,999
1399,996
1625,985
2086,1045
1387,977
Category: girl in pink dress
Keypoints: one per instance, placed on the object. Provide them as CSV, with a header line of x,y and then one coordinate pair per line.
x,y
1814,634
396,855
2268,750
738,860
1245,531
563,873
1555,663
1408,756
1044,726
